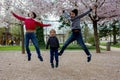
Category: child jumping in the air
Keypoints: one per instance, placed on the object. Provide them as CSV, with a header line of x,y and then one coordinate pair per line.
x,y
54,45
30,25
76,30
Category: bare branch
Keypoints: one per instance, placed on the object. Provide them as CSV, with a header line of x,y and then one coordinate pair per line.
x,y
98,18
91,0
74,3
102,3
91,17
84,3
24,5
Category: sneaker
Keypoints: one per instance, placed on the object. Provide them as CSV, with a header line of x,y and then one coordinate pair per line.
x,y
40,58
52,65
57,65
60,54
29,57
89,58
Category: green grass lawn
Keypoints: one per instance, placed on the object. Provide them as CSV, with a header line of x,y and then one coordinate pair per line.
x,y
78,47
17,48
116,45
70,47
4,48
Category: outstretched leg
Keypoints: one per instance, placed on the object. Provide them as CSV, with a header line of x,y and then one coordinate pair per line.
x,y
81,42
35,42
69,40
52,57
56,57
27,38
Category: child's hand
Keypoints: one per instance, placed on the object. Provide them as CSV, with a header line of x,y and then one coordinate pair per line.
x,y
12,12
63,11
49,24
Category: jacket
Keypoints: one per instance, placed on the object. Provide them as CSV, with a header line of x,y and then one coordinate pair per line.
x,y
52,42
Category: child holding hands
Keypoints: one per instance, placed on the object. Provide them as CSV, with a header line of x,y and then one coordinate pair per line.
x,y
54,45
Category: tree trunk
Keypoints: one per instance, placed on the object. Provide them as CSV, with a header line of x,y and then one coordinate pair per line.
x,y
22,33
96,37
114,35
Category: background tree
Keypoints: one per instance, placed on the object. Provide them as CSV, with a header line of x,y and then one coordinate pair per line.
x,y
103,11
109,29
64,22
15,30
86,32
40,36
115,30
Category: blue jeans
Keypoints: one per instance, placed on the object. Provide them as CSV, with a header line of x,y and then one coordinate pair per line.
x,y
54,53
32,36
75,36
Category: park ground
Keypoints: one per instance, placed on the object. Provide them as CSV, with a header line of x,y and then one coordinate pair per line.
x,y
73,66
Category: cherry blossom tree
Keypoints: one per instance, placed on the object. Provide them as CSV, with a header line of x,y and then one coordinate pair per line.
x,y
106,10
7,6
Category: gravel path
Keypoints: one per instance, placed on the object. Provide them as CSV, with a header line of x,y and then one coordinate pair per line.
x,y
73,66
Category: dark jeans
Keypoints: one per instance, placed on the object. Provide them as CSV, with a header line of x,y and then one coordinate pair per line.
x,y
54,53
75,36
32,36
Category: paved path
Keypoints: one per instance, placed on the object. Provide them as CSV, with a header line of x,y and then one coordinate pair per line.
x,y
73,66
112,48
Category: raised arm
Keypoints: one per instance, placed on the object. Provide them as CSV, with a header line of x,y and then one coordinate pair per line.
x,y
84,14
87,12
41,24
66,15
18,17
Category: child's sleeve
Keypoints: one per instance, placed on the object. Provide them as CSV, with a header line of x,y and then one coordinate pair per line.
x,y
18,17
84,14
66,15
58,42
41,24
48,42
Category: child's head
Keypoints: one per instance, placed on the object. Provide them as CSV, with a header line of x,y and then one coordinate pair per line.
x,y
32,15
74,13
52,32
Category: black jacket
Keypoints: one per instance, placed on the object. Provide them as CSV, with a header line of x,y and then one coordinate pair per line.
x,y
53,42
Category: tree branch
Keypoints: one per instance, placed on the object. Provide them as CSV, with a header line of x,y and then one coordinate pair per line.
x,y
91,17
74,3
84,3
96,0
102,3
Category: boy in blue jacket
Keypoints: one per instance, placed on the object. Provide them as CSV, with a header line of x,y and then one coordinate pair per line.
x,y
54,45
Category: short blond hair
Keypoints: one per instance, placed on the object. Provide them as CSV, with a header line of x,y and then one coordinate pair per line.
x,y
52,30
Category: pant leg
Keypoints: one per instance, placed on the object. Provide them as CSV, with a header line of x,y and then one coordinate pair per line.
x,y
81,42
35,43
27,38
56,55
69,40
51,55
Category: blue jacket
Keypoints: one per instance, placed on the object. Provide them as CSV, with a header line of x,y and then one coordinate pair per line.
x,y
53,42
